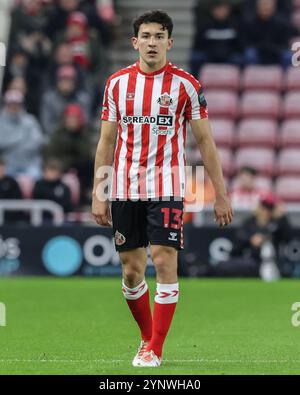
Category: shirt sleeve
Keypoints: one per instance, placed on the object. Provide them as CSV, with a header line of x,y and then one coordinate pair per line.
x,y
109,108
196,107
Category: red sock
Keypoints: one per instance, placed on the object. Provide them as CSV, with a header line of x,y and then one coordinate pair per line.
x,y
165,302
138,301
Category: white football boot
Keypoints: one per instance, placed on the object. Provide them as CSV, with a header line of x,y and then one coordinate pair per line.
x,y
140,352
149,359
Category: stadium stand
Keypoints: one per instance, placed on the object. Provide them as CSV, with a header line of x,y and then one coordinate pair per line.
x,y
288,162
288,189
261,159
263,104
263,77
292,81
291,107
225,104
223,132
290,133
257,132
226,157
261,182
220,76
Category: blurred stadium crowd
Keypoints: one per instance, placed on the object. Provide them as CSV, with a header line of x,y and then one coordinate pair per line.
x,y
58,61
57,65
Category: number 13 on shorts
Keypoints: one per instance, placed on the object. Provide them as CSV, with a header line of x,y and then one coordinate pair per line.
x,y
172,217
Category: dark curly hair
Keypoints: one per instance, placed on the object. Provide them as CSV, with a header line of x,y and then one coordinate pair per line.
x,y
154,16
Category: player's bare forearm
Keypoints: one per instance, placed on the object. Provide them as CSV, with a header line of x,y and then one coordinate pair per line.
x,y
104,157
203,135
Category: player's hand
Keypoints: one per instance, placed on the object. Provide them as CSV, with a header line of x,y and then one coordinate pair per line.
x,y
223,211
101,212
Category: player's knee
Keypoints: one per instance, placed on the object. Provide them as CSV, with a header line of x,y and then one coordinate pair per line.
x,y
132,276
133,272
164,259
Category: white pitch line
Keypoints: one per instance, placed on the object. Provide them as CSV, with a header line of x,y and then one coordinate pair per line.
x,y
126,361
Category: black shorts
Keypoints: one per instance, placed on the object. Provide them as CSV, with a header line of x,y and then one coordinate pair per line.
x,y
138,223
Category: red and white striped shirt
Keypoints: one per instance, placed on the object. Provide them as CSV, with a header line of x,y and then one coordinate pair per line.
x,y
152,110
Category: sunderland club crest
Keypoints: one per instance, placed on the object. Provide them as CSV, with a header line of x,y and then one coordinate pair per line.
x,y
165,100
119,238
130,96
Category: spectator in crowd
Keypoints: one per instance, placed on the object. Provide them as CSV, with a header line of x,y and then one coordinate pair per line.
x,y
87,50
19,65
58,19
202,8
63,56
73,144
267,36
65,92
19,84
51,187
102,17
9,189
258,240
27,24
31,101
246,193
21,137
218,40
283,8
245,9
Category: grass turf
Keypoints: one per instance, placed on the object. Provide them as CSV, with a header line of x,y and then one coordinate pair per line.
x,y
83,326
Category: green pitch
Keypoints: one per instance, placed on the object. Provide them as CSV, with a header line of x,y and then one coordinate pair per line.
x,y
83,326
